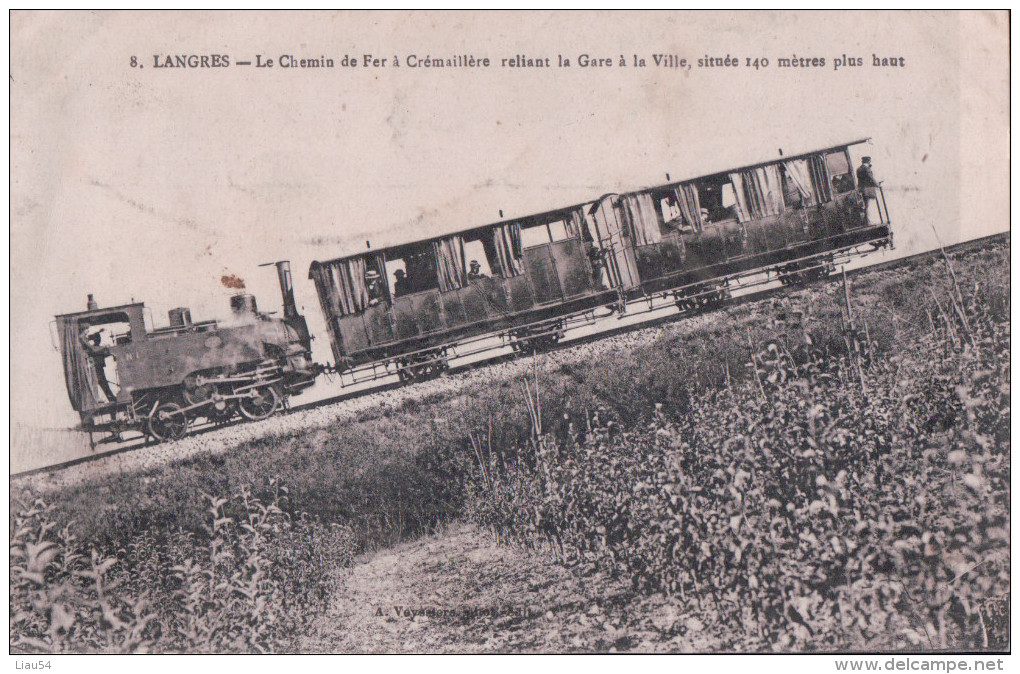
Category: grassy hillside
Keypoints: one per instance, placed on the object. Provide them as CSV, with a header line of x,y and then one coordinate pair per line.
x,y
847,486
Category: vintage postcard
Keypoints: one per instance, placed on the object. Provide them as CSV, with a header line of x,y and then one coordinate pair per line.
x,y
511,332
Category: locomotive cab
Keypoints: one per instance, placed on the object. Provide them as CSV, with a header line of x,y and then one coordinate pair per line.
x,y
92,345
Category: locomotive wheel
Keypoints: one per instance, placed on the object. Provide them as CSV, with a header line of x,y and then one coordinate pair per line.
x,y
422,371
195,393
260,403
527,346
220,411
549,341
409,370
167,422
686,303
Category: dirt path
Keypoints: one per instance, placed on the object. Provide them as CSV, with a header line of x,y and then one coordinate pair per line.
x,y
460,592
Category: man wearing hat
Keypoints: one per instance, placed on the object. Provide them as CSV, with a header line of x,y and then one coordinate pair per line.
x,y
402,285
476,271
374,286
868,186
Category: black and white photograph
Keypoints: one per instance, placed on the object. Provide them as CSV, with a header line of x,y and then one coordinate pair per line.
x,y
510,332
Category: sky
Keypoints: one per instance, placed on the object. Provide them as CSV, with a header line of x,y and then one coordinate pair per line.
x,y
150,184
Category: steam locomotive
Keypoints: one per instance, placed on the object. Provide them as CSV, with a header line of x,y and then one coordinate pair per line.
x,y
121,377
407,310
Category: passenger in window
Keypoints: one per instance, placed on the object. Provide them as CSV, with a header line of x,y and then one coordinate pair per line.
x,y
374,285
791,195
475,271
869,188
597,258
705,219
842,183
402,285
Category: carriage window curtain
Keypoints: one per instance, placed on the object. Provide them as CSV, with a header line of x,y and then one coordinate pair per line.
x,y
450,264
820,179
799,173
506,240
771,186
82,383
641,218
690,206
341,285
759,192
743,208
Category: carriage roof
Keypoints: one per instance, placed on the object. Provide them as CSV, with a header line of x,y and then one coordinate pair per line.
x,y
566,209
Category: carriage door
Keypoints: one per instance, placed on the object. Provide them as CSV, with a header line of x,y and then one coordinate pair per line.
x,y
606,227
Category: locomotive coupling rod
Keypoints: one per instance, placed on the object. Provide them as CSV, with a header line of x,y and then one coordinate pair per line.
x,y
223,380
258,384
209,401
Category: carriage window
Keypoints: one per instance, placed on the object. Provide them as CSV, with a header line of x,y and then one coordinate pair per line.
x,y
536,235
670,210
411,270
717,199
558,231
503,248
107,330
396,269
839,172
477,257
662,206
375,280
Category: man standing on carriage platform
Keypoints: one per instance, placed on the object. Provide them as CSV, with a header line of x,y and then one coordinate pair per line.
x,y
868,186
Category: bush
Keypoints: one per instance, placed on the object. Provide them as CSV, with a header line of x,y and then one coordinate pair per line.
x,y
251,583
848,495
844,487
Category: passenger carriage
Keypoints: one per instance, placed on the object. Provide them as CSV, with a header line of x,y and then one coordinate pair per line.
x,y
407,309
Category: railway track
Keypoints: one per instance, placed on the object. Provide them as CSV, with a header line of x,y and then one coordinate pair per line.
x,y
571,342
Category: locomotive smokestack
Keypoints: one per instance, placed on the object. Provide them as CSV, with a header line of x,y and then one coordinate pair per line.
x,y
286,289
92,305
